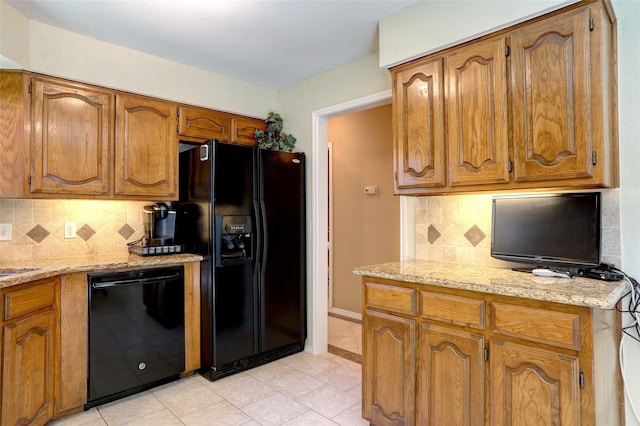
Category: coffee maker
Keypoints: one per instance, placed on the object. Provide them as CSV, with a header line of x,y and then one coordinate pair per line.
x,y
159,231
159,224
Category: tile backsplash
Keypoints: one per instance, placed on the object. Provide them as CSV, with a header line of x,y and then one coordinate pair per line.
x,y
452,228
457,228
37,228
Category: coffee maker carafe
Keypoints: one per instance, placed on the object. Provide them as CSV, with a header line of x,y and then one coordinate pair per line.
x,y
159,224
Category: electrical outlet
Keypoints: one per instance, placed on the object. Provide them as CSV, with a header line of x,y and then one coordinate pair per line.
x,y
5,232
69,229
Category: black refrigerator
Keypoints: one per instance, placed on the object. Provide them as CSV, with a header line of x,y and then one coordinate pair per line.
x,y
243,208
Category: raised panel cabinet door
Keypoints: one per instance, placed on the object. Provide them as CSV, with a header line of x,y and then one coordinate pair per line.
x,y
146,149
28,370
551,114
418,127
477,125
450,377
388,384
71,138
533,387
243,130
203,123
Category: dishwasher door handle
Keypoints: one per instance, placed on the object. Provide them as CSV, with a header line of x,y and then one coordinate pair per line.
x,y
134,281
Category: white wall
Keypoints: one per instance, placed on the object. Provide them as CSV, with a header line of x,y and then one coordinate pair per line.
x,y
14,37
50,50
431,25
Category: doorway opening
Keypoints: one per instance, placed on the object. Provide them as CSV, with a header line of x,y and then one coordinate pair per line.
x,y
319,300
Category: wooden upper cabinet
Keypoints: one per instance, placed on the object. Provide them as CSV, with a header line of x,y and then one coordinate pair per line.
x,y
551,106
244,128
146,148
418,124
531,106
478,137
203,124
71,138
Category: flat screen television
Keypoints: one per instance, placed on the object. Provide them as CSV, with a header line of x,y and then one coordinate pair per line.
x,y
547,229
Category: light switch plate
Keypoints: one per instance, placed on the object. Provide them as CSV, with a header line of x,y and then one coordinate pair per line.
x,y
5,232
69,229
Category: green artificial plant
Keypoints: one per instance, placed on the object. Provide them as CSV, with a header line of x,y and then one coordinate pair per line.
x,y
274,138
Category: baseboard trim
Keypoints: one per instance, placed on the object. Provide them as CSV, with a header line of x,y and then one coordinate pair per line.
x,y
345,314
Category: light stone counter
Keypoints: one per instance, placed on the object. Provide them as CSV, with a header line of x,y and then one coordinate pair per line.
x,y
37,270
485,279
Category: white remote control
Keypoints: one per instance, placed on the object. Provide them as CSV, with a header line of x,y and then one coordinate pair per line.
x,y
542,272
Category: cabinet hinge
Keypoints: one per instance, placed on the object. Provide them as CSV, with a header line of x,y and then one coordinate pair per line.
x,y
510,166
507,50
581,379
591,24
594,158
29,180
486,354
30,87
394,84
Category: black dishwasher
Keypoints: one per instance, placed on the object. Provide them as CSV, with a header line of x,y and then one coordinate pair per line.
x,y
136,331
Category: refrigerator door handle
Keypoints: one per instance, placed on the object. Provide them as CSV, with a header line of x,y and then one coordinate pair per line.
x,y
258,231
265,237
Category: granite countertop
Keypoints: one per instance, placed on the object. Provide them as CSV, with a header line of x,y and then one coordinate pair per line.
x,y
502,281
34,270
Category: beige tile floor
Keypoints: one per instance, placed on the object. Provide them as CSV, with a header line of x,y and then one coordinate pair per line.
x,y
345,334
299,390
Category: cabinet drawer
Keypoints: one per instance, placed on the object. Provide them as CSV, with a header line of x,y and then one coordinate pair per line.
x,y
538,325
453,309
24,300
391,298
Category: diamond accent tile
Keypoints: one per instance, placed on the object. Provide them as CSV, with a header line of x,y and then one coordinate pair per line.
x,y
126,231
474,235
85,232
38,233
432,234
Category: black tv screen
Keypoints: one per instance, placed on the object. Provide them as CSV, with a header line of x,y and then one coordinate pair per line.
x,y
547,229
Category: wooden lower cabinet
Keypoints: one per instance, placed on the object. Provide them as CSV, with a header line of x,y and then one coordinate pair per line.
x,y
533,386
441,356
450,377
388,388
29,353
44,349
